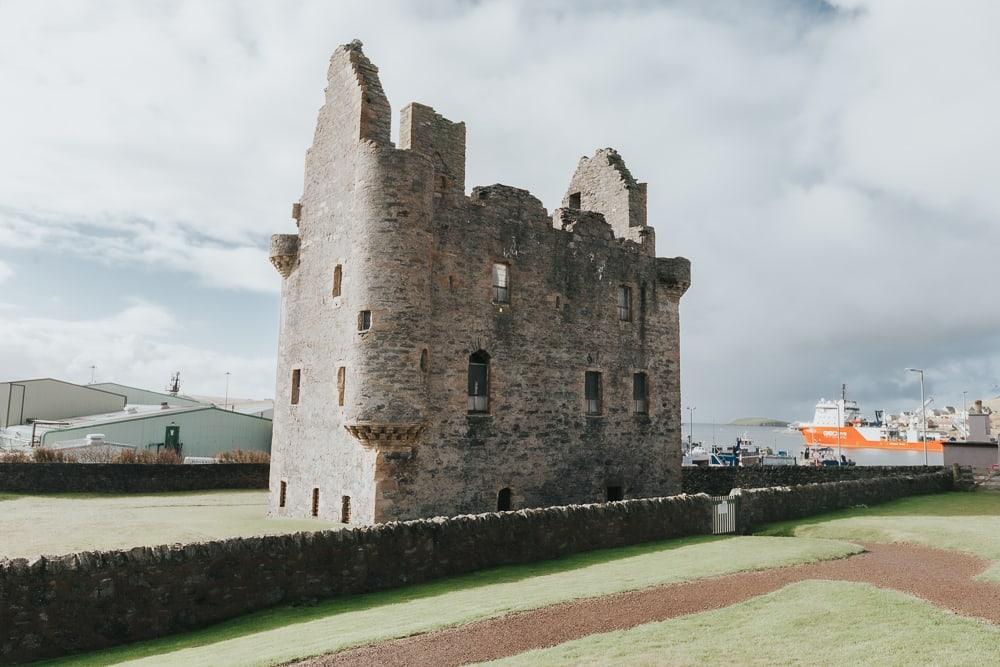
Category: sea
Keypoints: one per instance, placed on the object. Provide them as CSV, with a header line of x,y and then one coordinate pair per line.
x,y
780,439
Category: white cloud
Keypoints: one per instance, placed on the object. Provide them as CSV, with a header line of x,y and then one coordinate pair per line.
x,y
830,170
135,346
5,271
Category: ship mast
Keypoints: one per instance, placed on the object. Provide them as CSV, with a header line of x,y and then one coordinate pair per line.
x,y
840,420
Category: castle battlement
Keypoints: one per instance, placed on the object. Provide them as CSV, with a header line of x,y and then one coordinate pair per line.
x,y
442,353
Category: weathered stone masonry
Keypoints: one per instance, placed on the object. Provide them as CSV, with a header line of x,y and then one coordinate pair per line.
x,y
416,260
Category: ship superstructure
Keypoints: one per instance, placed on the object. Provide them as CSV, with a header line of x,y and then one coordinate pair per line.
x,y
838,423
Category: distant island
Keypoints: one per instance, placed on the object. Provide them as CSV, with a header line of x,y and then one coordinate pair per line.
x,y
758,421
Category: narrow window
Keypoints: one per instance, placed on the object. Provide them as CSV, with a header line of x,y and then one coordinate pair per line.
x,y
451,282
592,391
423,360
479,382
503,500
296,377
640,393
574,200
614,493
364,320
341,381
315,507
338,274
282,493
345,509
625,303
501,283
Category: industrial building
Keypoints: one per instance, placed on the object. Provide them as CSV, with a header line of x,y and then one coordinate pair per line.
x,y
55,414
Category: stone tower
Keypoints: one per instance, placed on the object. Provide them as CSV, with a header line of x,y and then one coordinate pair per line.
x,y
442,353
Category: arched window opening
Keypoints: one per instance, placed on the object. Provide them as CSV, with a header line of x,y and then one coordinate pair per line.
x,y
479,382
423,360
503,500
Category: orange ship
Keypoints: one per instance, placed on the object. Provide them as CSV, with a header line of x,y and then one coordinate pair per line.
x,y
839,424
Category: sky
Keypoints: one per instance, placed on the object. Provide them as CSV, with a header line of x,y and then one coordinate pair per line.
x,y
830,169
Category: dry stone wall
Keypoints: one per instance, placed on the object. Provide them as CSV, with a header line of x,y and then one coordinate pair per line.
x,y
768,505
59,605
55,606
129,478
720,481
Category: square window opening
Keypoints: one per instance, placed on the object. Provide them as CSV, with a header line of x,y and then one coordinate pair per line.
x,y
640,393
338,274
364,320
625,303
501,283
345,509
592,392
341,384
479,382
296,380
614,493
574,200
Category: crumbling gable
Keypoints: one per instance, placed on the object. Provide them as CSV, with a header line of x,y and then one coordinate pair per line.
x,y
603,184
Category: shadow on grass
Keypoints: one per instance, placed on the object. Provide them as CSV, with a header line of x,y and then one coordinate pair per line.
x,y
980,503
288,615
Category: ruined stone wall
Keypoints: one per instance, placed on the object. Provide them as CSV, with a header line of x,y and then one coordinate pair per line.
x,y
561,320
417,254
318,330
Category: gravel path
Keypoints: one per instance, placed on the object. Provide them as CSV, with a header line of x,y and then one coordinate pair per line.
x,y
941,577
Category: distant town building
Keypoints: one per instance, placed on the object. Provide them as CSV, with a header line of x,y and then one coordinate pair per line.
x,y
61,415
443,353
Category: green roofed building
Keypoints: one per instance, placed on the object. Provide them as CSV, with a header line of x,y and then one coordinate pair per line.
x,y
55,414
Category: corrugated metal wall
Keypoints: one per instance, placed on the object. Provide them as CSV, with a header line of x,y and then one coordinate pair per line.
x,y
204,431
52,399
136,396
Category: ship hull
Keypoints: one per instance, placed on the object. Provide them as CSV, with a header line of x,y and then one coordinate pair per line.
x,y
850,437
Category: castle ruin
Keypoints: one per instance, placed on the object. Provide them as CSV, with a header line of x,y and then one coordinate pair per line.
x,y
443,353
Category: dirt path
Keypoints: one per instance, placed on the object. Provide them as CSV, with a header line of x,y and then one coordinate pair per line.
x,y
941,577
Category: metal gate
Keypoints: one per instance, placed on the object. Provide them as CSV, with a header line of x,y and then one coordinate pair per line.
x,y
724,509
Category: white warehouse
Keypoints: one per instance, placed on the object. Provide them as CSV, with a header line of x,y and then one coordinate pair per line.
x,y
44,412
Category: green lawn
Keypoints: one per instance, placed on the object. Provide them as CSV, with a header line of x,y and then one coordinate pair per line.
x,y
968,522
284,634
808,623
58,524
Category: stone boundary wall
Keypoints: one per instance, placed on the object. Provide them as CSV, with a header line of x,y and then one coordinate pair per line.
x,y
129,477
720,481
54,606
762,506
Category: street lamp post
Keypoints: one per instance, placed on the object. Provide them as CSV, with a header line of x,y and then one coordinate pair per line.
x,y
690,410
923,410
225,405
